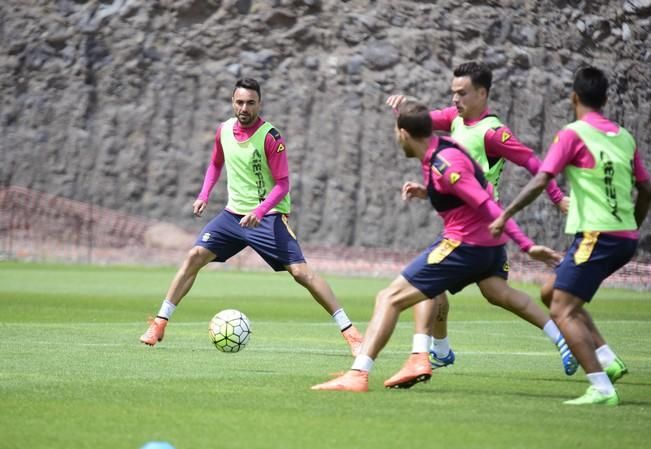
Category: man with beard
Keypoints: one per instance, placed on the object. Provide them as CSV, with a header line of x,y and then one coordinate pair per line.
x,y
255,157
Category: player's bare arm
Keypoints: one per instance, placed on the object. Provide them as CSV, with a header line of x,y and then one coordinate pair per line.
x,y
529,193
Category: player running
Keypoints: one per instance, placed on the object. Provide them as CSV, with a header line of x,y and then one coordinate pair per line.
x,y
255,156
490,143
604,167
466,253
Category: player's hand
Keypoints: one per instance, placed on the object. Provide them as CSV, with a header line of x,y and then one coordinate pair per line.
x,y
564,204
395,100
496,228
411,190
544,254
249,221
198,207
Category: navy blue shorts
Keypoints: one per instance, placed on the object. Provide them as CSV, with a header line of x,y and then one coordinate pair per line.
x,y
273,239
450,265
591,259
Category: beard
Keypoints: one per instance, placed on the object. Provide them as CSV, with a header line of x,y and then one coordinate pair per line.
x,y
246,119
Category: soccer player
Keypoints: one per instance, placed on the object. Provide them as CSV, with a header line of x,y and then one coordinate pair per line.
x,y
466,253
255,156
490,143
604,168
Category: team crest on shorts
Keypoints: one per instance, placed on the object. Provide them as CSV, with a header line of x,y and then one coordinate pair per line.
x,y
205,237
506,267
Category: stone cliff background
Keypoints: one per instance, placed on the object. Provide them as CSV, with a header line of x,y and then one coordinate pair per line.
x,y
115,102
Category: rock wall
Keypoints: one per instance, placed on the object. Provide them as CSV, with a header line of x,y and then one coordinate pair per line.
x,y
116,101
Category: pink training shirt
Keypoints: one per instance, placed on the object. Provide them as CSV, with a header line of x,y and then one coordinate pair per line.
x,y
469,222
567,148
499,143
276,159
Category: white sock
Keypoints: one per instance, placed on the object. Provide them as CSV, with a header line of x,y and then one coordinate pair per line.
x,y
441,347
601,382
341,319
552,331
421,343
363,363
166,310
605,355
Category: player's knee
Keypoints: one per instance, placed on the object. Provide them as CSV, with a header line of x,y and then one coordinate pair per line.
x,y
196,259
546,296
388,297
558,311
302,275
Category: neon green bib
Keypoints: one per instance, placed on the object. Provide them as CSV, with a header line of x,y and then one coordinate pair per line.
x,y
601,197
249,179
471,137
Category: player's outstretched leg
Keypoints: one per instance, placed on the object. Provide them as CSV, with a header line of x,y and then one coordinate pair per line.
x,y
497,291
388,305
354,339
323,294
196,258
567,311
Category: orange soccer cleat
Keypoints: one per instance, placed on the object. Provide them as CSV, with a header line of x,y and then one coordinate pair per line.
x,y
354,380
354,339
155,332
416,369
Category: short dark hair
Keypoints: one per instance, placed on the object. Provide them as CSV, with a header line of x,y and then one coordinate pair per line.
x,y
591,86
414,117
479,73
248,83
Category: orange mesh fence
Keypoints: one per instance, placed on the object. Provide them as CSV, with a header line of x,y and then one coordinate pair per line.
x,y
36,226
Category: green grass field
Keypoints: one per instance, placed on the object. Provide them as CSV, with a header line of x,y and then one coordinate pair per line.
x,y
73,375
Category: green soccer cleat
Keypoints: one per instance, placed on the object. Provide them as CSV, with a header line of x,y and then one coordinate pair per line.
x,y
592,396
616,370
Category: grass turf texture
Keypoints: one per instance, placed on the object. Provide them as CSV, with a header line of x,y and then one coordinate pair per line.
x,y
73,375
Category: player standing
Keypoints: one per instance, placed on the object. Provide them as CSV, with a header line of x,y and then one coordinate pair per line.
x,y
254,154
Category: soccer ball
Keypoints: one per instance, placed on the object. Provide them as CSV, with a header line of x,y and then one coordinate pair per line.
x,y
229,330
